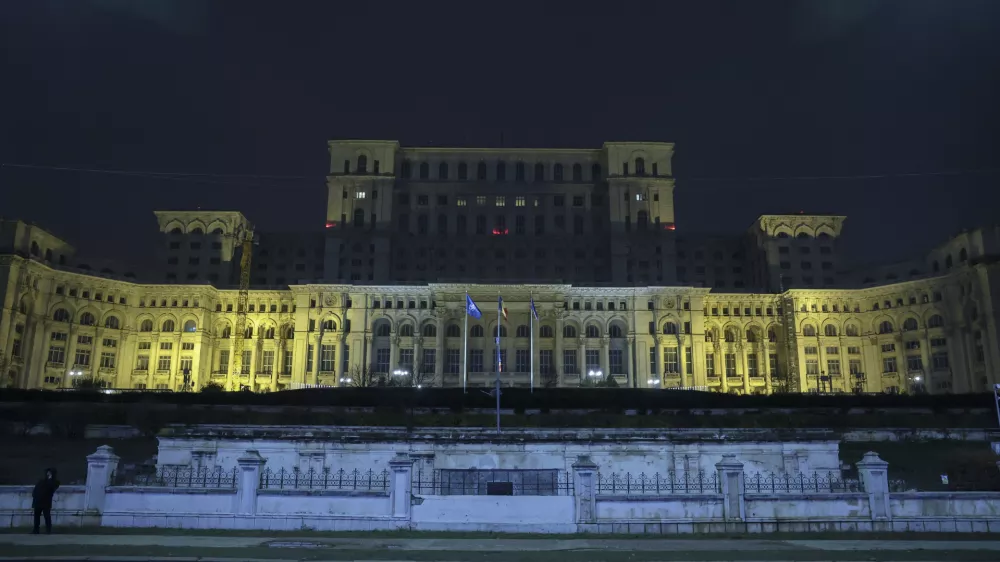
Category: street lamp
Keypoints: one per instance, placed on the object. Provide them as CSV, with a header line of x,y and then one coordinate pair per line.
x,y
400,372
345,380
654,382
595,373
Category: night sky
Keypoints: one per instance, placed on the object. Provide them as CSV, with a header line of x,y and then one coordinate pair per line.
x,y
774,106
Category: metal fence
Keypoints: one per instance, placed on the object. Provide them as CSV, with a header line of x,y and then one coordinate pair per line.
x,y
815,483
325,479
477,482
178,477
665,483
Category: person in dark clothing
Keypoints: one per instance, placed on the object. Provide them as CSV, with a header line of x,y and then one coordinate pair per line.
x,y
41,499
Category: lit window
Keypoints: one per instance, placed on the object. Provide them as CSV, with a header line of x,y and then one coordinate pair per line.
x,y
480,199
359,194
519,202
460,201
501,201
640,196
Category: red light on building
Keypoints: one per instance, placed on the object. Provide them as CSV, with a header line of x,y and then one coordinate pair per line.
x,y
500,231
331,224
669,226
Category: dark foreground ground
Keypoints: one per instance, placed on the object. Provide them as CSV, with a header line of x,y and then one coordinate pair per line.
x,y
423,547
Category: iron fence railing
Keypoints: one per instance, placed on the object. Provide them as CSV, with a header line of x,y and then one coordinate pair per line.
x,y
325,479
658,483
815,483
477,482
179,477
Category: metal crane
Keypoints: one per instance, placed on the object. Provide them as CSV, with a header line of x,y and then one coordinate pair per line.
x,y
244,237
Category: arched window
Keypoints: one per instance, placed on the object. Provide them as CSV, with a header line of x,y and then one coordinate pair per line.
x,y
885,327
730,335
593,331
112,322
642,220
670,328
569,332
248,333
851,330
539,172
168,326
772,336
615,331
359,218
347,166
197,231
809,330
947,262
909,324
146,326
425,170
501,171
640,166
782,235
500,332
35,250
962,255
48,255
523,331
453,331
443,171
190,326
362,164
429,331
935,267
545,332
577,172
935,321
406,169
289,332
463,171
476,332
802,236
557,172
751,336
382,330
406,331
595,172
268,333
61,315
829,330
519,172
87,319
481,171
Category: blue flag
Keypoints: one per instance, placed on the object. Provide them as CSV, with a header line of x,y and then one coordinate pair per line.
x,y
534,312
471,308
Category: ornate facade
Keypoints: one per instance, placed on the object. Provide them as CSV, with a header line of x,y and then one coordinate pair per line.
x,y
767,311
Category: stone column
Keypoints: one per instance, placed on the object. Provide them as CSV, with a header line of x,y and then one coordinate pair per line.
x,y
874,475
627,357
605,360
314,376
248,481
585,490
101,466
581,356
400,488
731,484
744,351
338,360
559,366
658,347
441,355
393,353
418,356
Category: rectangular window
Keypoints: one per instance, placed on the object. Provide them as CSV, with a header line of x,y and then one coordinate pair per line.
x,y
752,365
812,366
187,363
811,350
519,201
914,344
671,362
652,361
939,360
833,367
109,342
888,347
142,363
855,366
224,361
187,346
593,358
688,361
503,366
830,350
710,364
772,363
460,202
545,362
345,360
889,365
382,361
428,363
914,363
247,358
476,361
501,201
82,357
854,351
85,340
939,342
267,362
310,350
406,359
163,363
569,362
454,361
166,346
615,363
286,362
730,364
522,361
107,359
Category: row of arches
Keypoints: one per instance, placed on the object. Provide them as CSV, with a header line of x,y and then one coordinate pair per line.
x,y
168,326
881,326
383,328
963,256
196,228
732,334
86,319
265,332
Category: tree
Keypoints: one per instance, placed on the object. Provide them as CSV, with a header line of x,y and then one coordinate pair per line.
x,y
363,377
422,377
89,384
607,381
212,387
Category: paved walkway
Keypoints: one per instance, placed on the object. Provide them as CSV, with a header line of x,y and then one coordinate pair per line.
x,y
493,545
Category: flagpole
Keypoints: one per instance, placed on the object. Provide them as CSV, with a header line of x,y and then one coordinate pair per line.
x,y
499,366
465,345
531,343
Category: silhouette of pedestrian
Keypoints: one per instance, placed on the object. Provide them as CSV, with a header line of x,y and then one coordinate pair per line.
x,y
41,499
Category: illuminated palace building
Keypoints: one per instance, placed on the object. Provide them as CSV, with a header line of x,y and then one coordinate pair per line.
x,y
587,234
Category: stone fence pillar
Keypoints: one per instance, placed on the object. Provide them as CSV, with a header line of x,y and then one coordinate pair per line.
x,y
732,486
874,475
248,481
101,466
401,485
585,490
